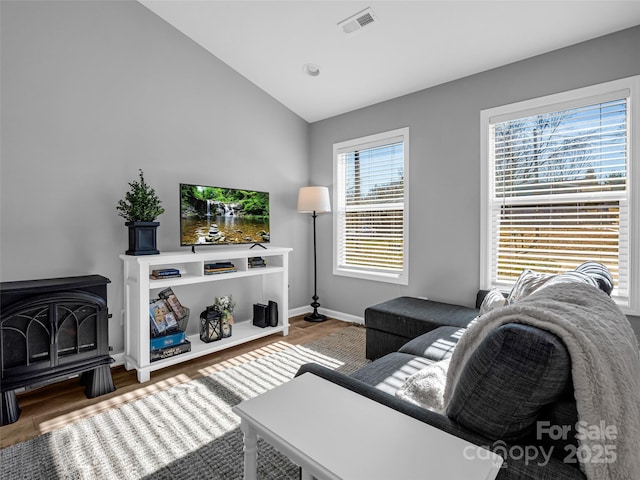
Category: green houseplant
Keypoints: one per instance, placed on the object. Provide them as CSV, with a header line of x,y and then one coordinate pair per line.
x,y
140,207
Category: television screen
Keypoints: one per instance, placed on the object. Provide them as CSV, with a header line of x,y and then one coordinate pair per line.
x,y
222,216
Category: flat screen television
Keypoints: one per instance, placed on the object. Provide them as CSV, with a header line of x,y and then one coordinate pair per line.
x,y
222,216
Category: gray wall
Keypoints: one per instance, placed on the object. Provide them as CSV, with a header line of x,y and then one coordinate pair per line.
x,y
93,91
444,173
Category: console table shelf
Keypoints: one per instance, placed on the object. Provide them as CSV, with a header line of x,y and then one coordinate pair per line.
x,y
252,285
188,279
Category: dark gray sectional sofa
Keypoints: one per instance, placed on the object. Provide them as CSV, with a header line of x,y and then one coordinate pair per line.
x,y
529,381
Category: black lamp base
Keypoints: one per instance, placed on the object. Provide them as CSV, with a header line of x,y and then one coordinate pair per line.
x,y
315,317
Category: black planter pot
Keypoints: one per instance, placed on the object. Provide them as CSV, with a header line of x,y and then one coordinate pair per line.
x,y
142,238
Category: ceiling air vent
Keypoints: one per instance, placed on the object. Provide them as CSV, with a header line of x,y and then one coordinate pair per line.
x,y
360,20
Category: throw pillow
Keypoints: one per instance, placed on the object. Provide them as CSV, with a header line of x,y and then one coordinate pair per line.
x,y
570,277
425,388
493,299
527,283
599,273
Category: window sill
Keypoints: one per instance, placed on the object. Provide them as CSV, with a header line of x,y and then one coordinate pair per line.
x,y
395,278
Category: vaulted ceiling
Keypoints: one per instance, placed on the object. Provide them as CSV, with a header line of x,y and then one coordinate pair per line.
x,y
405,46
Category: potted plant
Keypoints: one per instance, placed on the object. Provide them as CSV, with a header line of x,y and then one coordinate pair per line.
x,y
140,207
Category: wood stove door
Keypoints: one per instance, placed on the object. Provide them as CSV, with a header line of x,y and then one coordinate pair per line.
x,y
52,330
26,338
81,328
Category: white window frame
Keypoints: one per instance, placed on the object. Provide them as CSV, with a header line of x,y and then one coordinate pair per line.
x,y
370,141
629,304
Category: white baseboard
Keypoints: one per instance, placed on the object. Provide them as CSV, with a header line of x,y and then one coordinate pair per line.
x,y
294,312
345,317
118,357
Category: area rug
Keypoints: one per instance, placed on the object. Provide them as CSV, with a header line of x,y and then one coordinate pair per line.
x,y
187,431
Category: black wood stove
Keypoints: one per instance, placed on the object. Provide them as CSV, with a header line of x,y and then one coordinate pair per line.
x,y
51,330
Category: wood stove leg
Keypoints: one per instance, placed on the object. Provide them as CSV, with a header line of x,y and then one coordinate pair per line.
x,y
97,381
10,408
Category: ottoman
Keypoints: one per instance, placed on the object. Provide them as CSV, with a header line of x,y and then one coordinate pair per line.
x,y
393,323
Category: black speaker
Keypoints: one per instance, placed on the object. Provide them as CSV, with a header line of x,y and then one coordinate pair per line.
x,y
273,314
260,315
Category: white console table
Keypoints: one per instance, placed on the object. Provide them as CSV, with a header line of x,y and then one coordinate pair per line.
x,y
197,290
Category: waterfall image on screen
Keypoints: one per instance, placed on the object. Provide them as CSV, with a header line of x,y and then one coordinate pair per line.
x,y
222,216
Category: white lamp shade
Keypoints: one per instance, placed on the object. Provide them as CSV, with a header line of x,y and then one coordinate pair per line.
x,y
313,199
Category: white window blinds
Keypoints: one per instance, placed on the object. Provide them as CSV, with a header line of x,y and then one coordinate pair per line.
x,y
371,208
559,190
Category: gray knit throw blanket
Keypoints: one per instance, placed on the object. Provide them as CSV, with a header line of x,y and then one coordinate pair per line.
x,y
605,365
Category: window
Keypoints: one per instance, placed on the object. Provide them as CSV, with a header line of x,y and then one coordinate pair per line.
x,y
371,203
558,187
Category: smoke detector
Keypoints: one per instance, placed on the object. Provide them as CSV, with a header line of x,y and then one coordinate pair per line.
x,y
311,69
358,21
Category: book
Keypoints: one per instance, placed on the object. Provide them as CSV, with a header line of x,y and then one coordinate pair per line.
x,y
165,271
218,270
162,277
162,273
167,352
256,262
219,265
162,319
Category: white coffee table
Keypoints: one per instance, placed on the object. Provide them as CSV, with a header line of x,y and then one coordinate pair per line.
x,y
333,433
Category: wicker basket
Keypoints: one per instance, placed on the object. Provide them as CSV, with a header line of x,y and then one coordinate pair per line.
x,y
182,322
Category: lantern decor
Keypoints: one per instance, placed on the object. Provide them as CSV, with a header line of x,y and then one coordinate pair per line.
x,y
210,325
225,305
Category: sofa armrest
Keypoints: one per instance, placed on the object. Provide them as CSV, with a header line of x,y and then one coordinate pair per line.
x,y
513,468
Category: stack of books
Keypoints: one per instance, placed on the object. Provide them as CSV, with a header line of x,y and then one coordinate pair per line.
x,y
168,318
256,262
219,267
164,273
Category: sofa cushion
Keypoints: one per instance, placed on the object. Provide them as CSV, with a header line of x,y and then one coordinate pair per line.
x,y
388,373
411,317
514,373
380,343
435,345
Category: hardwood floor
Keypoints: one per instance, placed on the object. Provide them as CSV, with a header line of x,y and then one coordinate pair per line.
x,y
59,404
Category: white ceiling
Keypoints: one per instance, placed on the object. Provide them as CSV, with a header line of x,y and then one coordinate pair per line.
x,y
412,45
